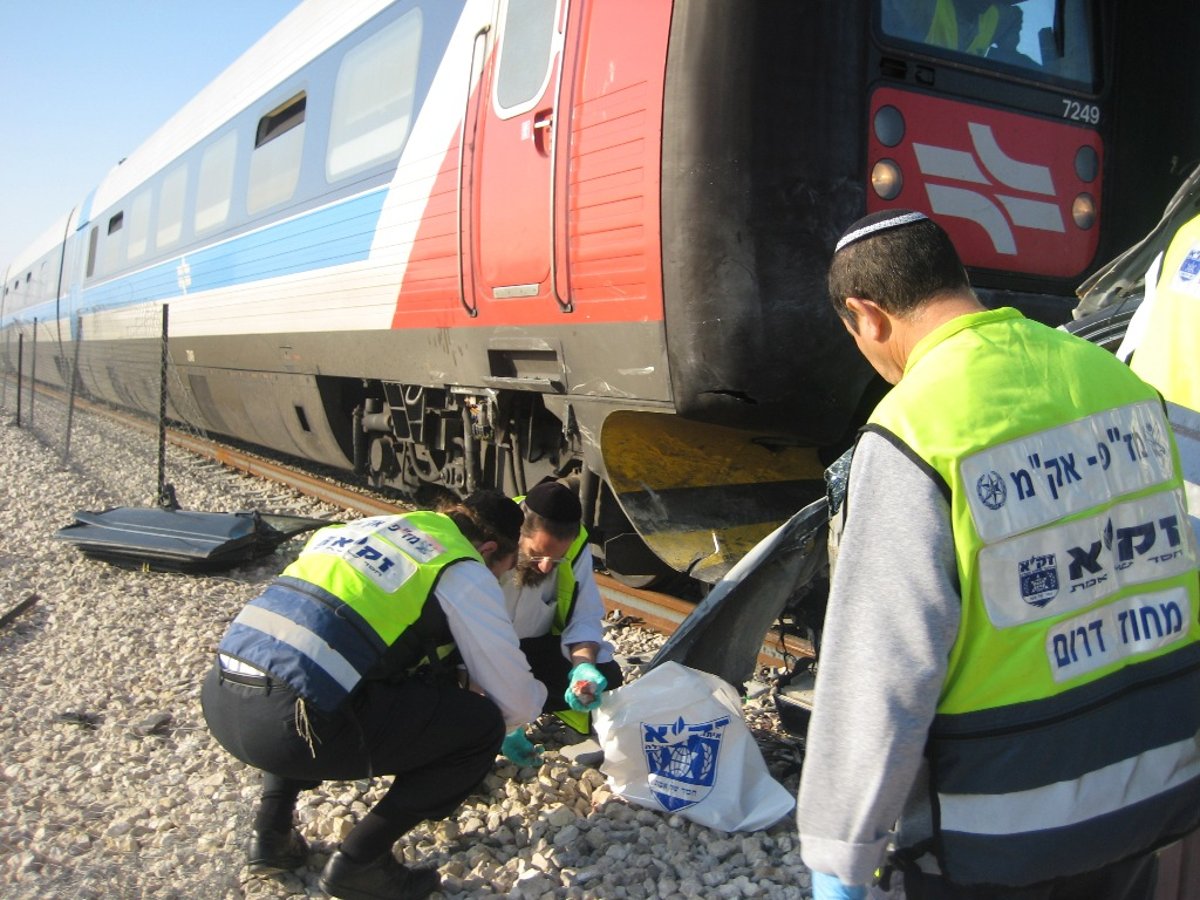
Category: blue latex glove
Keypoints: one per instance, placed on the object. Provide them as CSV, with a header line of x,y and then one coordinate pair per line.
x,y
585,671
516,748
830,887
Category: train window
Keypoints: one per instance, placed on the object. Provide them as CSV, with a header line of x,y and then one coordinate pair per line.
x,y
93,241
275,161
139,225
214,188
373,98
111,245
170,207
1050,40
281,120
525,52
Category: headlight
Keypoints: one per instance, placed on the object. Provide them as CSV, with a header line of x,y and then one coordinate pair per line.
x,y
887,180
1083,211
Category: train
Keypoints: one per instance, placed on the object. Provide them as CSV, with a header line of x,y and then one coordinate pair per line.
x,y
470,243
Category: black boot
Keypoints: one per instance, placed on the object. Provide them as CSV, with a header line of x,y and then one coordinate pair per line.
x,y
381,879
275,851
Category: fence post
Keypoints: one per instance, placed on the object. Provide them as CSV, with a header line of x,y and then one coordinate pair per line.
x,y
7,357
66,456
20,367
166,493
32,373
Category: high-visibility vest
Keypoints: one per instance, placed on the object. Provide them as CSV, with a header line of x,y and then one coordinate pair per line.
x,y
1065,736
1167,354
353,605
943,28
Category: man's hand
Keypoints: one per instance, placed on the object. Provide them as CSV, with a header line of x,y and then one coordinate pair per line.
x,y
829,887
585,684
517,749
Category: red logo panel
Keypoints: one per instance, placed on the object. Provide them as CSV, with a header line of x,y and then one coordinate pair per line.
x,y
1002,184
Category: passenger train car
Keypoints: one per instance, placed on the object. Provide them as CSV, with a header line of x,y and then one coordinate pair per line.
x,y
458,244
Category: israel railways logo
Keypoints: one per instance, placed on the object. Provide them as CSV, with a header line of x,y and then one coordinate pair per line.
x,y
991,490
682,760
998,169
1039,579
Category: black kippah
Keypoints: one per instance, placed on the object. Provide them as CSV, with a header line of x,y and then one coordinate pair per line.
x,y
555,501
876,222
498,512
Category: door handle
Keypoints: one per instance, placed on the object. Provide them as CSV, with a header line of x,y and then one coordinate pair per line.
x,y
543,131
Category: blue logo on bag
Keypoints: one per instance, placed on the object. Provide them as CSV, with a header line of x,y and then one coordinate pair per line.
x,y
682,760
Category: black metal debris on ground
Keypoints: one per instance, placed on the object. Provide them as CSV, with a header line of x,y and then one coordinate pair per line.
x,y
180,540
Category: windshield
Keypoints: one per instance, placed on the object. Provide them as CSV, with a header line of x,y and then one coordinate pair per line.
x,y
1049,40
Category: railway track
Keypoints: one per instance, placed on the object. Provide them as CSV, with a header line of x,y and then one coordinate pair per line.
x,y
659,611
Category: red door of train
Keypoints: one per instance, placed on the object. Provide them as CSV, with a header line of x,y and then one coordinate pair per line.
x,y
516,168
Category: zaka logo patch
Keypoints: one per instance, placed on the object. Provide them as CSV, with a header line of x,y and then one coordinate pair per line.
x,y
1039,579
1189,269
682,760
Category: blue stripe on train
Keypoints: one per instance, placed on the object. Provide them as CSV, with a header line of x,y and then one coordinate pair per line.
x,y
332,236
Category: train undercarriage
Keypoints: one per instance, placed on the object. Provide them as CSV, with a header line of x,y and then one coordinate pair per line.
x,y
427,443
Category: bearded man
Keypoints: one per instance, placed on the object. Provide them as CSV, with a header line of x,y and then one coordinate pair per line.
x,y
556,610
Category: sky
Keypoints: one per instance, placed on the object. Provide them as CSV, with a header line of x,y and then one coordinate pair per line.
x,y
84,82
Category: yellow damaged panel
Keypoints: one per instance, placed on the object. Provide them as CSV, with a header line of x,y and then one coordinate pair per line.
x,y
711,553
656,451
702,496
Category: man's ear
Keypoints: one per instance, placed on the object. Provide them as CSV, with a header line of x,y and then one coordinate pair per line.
x,y
871,322
487,549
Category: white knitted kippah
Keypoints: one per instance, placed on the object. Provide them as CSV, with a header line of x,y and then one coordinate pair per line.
x,y
876,222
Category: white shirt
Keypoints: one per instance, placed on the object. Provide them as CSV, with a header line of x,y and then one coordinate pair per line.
x,y
484,635
531,609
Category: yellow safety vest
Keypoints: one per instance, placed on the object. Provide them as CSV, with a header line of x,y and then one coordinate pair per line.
x,y
1167,355
1079,597
356,593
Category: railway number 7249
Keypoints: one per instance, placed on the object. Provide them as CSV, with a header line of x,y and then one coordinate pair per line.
x,y
1081,112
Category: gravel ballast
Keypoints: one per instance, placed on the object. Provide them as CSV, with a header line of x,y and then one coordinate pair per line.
x,y
110,785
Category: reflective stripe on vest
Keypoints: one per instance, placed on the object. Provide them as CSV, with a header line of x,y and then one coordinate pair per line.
x,y
355,590
1079,600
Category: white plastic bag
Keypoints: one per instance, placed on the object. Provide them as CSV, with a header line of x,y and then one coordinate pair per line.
x,y
674,740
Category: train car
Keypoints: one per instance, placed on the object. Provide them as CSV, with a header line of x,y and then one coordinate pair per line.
x,y
458,244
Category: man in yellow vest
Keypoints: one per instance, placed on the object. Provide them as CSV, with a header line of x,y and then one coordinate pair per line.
x,y
556,609
1167,325
1008,689
345,667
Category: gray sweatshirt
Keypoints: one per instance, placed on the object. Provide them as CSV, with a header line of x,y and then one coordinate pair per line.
x,y
892,619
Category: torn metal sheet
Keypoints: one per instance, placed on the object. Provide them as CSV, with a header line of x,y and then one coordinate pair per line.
x,y
725,632
181,540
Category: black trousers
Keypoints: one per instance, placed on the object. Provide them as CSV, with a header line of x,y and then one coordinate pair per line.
x,y
437,741
1133,879
551,668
